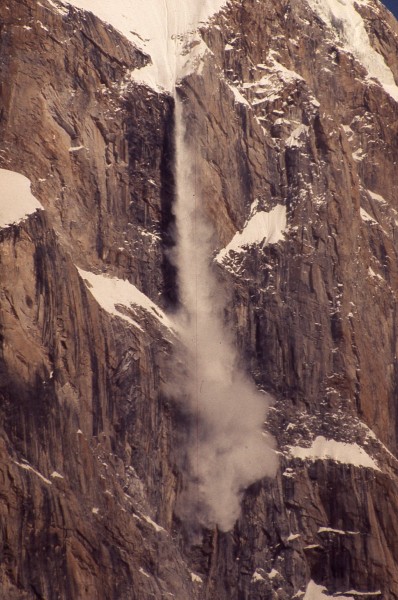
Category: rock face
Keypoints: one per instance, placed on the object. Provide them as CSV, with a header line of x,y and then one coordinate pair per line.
x,y
287,110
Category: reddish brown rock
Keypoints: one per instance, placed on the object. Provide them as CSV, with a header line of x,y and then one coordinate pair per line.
x,y
89,455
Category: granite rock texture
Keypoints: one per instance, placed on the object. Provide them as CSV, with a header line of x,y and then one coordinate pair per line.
x,y
280,114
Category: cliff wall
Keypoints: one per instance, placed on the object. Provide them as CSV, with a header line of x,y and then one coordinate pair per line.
x,y
287,119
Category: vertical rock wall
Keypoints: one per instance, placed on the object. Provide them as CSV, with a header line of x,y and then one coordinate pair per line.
x,y
281,114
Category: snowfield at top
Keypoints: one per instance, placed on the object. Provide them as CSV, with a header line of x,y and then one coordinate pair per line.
x,y
152,26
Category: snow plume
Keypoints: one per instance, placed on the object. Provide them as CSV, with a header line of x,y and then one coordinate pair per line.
x,y
227,447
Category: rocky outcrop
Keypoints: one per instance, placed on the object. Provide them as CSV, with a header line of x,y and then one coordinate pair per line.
x,y
282,113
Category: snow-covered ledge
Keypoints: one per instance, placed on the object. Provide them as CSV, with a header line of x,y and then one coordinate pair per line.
x,y
16,200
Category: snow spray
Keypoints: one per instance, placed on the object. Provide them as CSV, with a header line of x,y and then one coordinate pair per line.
x,y
226,448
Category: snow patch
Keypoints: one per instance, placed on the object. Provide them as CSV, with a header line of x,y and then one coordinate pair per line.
x,y
363,594
298,136
195,578
269,87
359,155
336,531
365,216
261,228
56,475
284,73
27,467
319,592
289,473
237,95
293,536
341,452
156,527
59,7
373,274
16,199
41,25
371,434
257,577
192,55
348,131
377,197
273,573
348,26
112,293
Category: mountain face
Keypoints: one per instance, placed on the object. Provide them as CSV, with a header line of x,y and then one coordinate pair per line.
x,y
290,112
